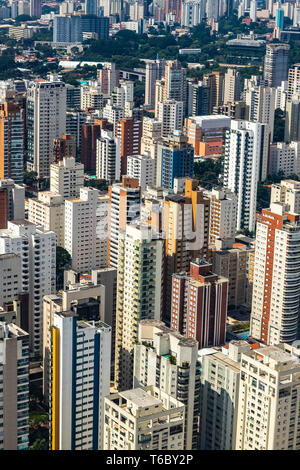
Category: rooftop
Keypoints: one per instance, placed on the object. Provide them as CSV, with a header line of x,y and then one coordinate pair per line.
x,y
140,398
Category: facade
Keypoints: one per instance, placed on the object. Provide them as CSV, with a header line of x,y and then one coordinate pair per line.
x,y
293,81
108,77
199,304
246,159
261,101
129,131
70,28
14,367
170,114
37,249
220,381
48,210
175,158
222,214
141,167
12,148
12,202
88,148
86,236
139,293
169,361
79,381
11,277
198,99
208,130
192,12
108,157
292,120
232,86
276,283
154,71
64,146
288,193
46,120
284,158
268,397
124,207
149,418
66,177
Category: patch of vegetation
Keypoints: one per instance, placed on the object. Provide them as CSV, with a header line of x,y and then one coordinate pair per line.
x,y
208,172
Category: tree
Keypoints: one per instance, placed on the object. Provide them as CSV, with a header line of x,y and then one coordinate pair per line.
x,y
279,125
63,261
40,444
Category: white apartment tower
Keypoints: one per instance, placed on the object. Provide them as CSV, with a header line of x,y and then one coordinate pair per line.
x,y
46,120
141,167
67,177
288,193
232,86
86,237
166,359
269,397
37,249
154,71
79,381
170,114
222,214
246,159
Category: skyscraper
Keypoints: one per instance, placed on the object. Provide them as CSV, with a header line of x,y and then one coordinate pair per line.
x,y
12,149
232,86
108,157
37,249
199,304
276,283
124,207
46,120
154,71
276,64
14,392
246,159
165,358
140,280
79,381
268,399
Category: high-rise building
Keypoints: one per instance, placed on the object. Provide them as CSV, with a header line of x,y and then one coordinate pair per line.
x,y
174,87
170,113
129,131
86,236
37,249
64,147
12,202
253,7
14,394
141,167
91,7
124,207
276,64
220,381
79,381
108,158
91,96
288,193
88,149
140,283
154,71
46,120
284,158
12,128
246,160
268,399
198,99
215,81
261,101
140,413
169,361
292,119
48,210
70,28
35,8
66,177
207,133
232,86
11,277
192,13
293,81
199,304
276,284
108,77
279,19
233,260
175,158
222,214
